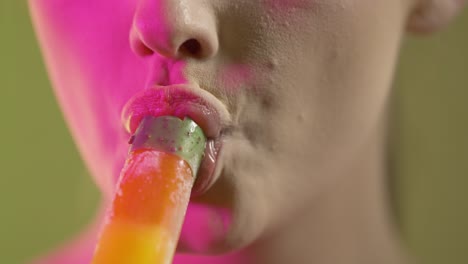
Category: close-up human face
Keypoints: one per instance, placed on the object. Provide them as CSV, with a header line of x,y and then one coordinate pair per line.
x,y
287,91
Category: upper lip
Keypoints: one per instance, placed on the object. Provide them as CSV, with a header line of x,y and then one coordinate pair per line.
x,y
180,101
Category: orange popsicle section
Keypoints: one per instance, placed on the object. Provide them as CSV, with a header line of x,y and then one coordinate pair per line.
x,y
144,222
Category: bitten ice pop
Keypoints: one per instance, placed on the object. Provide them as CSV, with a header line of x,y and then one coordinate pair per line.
x,y
144,222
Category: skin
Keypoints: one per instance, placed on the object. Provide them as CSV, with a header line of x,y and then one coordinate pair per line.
x,y
306,85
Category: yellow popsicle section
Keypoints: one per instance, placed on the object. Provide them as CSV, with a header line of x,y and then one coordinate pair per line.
x,y
140,244
143,224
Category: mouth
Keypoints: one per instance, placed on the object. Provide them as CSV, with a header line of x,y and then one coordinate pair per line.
x,y
184,101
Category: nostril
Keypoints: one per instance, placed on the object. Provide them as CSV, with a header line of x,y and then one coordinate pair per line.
x,y
191,47
143,50
138,46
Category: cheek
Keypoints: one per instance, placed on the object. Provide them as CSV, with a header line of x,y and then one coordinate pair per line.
x,y
328,91
287,5
236,78
93,73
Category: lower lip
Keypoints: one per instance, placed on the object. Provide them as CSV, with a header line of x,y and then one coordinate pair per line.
x,y
206,175
207,172
170,102
143,104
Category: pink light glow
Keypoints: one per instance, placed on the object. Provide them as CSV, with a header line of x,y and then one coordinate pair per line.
x,y
95,71
236,76
205,227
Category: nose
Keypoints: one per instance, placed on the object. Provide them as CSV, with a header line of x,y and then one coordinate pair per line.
x,y
174,28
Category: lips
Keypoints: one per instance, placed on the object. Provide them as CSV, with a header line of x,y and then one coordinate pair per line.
x,y
183,101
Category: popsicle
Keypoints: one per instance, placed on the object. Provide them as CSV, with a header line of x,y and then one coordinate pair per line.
x,y
143,224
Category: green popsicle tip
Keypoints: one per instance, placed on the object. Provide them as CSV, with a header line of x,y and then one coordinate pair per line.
x,y
182,137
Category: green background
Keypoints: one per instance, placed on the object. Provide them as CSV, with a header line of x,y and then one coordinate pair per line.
x,y
46,195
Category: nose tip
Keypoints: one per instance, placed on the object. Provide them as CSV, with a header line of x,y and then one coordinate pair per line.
x,y
174,29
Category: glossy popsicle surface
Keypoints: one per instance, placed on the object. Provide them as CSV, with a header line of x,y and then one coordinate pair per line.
x,y
143,224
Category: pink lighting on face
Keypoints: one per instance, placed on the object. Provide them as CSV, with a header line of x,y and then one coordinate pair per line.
x,y
157,102
173,29
174,100
151,30
206,226
95,70
236,76
90,63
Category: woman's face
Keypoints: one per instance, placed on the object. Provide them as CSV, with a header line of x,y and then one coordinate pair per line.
x,y
295,88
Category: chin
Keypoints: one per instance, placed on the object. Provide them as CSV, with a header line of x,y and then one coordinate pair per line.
x,y
205,230
216,230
